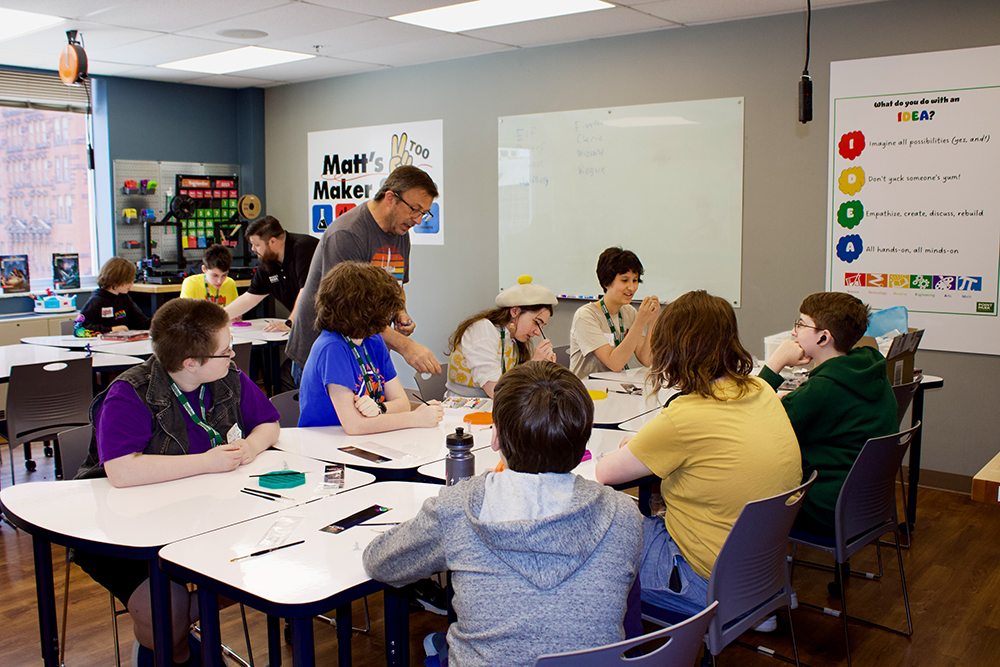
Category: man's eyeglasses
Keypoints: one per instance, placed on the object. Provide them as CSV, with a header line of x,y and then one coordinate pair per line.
x,y
799,324
425,216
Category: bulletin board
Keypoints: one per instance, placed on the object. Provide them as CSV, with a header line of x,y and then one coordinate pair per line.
x,y
914,205
663,180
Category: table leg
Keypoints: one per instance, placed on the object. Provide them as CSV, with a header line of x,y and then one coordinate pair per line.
x,y
303,650
344,635
273,641
211,634
916,415
397,628
159,593
45,592
274,350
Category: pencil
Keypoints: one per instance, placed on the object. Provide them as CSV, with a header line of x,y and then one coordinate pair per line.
x,y
266,551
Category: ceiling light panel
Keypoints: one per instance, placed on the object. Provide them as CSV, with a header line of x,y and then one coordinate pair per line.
x,y
487,13
236,60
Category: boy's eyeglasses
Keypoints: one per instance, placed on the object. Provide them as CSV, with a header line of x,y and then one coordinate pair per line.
x,y
799,324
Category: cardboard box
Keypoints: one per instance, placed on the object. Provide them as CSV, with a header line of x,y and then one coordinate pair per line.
x,y
899,356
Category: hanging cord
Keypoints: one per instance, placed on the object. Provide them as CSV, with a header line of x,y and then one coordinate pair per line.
x,y
805,83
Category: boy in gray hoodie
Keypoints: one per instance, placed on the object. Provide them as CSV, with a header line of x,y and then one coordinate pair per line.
x,y
542,560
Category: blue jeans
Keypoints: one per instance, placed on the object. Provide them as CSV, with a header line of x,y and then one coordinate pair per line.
x,y
296,373
660,557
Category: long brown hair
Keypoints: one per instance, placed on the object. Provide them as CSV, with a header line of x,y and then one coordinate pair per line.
x,y
695,342
499,317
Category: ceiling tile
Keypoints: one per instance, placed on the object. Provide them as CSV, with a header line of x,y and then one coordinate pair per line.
x,y
177,15
280,23
65,8
163,49
692,12
371,33
160,74
96,38
560,29
229,81
314,68
444,47
386,8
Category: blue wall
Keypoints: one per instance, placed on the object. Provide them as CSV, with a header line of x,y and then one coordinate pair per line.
x,y
136,119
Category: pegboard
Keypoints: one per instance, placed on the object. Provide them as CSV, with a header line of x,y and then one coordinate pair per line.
x,y
165,174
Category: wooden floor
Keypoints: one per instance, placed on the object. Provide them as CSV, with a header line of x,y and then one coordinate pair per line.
x,y
952,572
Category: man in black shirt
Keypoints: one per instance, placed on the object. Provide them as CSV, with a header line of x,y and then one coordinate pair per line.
x,y
284,265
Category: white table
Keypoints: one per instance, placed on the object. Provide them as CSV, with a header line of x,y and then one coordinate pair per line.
x,y
602,441
619,406
406,449
136,522
256,330
68,342
326,572
20,355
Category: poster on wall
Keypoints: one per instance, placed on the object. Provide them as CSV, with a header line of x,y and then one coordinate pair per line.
x,y
914,191
347,168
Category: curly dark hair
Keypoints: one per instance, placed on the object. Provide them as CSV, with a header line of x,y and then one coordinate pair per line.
x,y
695,341
358,300
543,416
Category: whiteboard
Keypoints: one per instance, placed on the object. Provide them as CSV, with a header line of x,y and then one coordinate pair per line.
x,y
662,180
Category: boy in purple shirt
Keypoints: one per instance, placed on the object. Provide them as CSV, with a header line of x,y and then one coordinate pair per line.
x,y
187,410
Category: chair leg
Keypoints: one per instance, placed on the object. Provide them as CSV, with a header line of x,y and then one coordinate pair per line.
x,y
843,615
902,580
791,631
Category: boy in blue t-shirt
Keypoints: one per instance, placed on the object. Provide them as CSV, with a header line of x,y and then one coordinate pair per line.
x,y
349,379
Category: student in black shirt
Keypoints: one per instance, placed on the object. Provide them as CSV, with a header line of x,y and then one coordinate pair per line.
x,y
284,264
110,308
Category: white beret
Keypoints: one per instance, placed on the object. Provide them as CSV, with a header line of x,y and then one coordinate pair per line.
x,y
525,293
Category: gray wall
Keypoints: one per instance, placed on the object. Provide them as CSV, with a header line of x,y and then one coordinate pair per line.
x,y
785,171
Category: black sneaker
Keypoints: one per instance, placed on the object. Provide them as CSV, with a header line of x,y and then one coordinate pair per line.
x,y
429,595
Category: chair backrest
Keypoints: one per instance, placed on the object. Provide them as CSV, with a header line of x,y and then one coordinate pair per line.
x,y
866,506
66,327
681,648
432,386
562,355
46,398
74,445
242,357
288,407
904,395
750,576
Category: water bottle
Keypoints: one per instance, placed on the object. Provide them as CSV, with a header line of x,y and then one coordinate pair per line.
x,y
461,462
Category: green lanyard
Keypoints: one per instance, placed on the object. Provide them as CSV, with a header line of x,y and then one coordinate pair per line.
x,y
621,325
503,355
372,387
214,435
214,299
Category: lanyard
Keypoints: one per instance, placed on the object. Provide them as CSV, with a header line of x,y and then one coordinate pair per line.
x,y
372,387
214,299
503,355
621,325
214,435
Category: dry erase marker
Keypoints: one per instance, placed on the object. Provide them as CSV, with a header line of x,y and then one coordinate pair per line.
x,y
265,551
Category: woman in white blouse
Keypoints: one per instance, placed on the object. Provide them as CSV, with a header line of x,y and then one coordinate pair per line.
x,y
493,341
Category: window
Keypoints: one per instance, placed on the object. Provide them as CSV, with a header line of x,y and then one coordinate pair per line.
x,y
44,208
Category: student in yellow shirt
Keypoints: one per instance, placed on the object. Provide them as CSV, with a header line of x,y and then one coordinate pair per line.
x,y
213,283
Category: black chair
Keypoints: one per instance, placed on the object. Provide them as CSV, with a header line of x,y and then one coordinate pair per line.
x,y
44,399
866,510
432,386
287,405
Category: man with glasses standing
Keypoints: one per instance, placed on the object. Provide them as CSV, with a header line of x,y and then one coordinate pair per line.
x,y
375,232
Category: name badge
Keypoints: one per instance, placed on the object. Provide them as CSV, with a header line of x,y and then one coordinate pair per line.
x,y
108,312
235,433
274,279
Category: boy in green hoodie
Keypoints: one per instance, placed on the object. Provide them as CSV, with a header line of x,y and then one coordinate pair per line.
x,y
846,400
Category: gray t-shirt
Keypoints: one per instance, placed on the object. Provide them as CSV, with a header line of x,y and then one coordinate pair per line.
x,y
354,236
